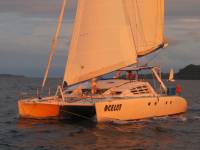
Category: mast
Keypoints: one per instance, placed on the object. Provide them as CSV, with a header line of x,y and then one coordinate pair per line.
x,y
54,41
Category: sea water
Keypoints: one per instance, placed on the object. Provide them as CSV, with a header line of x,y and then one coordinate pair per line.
x,y
165,133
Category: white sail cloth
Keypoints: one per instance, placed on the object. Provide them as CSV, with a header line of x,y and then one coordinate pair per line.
x,y
111,34
147,24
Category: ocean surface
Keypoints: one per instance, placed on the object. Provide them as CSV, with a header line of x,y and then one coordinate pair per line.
x,y
181,132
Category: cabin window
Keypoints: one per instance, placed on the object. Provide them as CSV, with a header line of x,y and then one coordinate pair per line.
x,y
69,92
118,93
140,90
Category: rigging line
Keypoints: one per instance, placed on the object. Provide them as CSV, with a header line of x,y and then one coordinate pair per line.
x,y
54,41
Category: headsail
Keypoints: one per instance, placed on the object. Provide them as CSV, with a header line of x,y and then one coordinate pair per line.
x,y
147,23
101,42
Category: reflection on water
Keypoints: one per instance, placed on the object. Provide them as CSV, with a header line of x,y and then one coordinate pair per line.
x,y
174,132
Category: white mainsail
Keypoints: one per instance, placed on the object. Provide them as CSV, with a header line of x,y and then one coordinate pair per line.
x,y
111,34
101,42
147,23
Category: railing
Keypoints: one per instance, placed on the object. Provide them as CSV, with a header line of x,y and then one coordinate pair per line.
x,y
35,94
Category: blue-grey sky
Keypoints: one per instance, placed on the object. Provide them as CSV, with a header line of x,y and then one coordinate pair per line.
x,y
27,27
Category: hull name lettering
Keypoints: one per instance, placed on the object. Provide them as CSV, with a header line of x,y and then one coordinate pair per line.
x,y
114,107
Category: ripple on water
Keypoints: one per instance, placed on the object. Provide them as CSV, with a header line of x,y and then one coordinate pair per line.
x,y
171,133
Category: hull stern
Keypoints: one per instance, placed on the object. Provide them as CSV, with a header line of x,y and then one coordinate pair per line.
x,y
37,110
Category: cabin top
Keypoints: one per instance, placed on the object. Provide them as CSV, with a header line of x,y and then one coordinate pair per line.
x,y
116,88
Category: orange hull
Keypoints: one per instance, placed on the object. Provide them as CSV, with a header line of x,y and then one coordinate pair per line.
x,y
140,108
37,110
45,110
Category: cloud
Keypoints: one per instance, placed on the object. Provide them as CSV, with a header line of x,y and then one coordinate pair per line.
x,y
37,8
25,46
49,8
27,27
182,8
184,37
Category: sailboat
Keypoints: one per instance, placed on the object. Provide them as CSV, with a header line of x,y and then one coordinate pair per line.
x,y
109,36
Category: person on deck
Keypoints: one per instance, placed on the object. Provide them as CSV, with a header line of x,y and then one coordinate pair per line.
x,y
93,86
118,74
65,85
130,75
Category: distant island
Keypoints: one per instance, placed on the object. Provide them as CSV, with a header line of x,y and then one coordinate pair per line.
x,y
190,72
11,76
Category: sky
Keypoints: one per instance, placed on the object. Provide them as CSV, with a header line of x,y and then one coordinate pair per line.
x,y
27,27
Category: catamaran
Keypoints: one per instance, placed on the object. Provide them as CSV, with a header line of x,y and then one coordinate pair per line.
x,y
109,36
